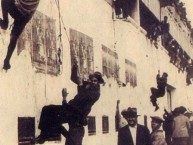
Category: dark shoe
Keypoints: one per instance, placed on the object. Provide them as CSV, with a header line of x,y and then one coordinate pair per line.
x,y
156,108
3,24
6,65
39,140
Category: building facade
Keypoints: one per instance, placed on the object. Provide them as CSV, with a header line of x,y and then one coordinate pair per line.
x,y
91,34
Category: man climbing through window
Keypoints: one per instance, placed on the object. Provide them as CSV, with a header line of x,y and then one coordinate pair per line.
x,y
160,91
21,11
76,110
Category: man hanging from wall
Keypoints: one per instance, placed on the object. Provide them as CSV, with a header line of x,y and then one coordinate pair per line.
x,y
160,91
75,111
21,11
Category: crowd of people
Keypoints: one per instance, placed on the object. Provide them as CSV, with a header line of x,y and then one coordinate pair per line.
x,y
178,56
174,128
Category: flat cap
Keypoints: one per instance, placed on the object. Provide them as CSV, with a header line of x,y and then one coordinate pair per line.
x,y
157,118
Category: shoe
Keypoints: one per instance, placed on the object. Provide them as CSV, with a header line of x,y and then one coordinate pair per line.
x,y
3,24
6,65
156,108
39,140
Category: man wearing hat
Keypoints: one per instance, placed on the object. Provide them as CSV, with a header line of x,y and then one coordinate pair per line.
x,y
157,137
181,127
133,133
76,110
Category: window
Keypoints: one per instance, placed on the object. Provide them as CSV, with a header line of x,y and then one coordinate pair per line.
x,y
105,124
110,63
130,73
148,20
126,8
170,90
169,100
26,130
81,50
91,125
40,36
145,120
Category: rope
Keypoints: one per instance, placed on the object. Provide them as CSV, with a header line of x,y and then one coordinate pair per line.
x,y
61,19
60,49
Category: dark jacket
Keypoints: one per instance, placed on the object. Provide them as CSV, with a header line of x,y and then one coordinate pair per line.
x,y
86,96
142,137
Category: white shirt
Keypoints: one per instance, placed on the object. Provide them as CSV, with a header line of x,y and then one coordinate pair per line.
x,y
133,131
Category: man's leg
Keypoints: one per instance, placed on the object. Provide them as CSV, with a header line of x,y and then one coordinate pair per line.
x,y
66,134
17,29
6,5
50,118
76,133
153,98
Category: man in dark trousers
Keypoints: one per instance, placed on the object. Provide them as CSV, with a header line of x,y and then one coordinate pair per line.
x,y
76,110
160,91
167,126
133,133
21,11
165,28
117,7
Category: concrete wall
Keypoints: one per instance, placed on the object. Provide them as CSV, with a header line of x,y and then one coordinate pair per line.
x,y
24,92
178,29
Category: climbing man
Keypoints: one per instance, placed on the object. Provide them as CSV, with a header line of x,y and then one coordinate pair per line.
x,y
74,112
160,91
21,11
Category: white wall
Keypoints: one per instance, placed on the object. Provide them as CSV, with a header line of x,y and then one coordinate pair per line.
x,y
24,92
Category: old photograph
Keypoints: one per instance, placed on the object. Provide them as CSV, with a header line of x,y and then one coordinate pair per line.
x,y
96,72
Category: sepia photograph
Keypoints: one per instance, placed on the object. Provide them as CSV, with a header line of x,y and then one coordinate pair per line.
x,y
96,72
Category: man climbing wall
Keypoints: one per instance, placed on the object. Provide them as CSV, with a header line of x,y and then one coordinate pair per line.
x,y
160,90
21,11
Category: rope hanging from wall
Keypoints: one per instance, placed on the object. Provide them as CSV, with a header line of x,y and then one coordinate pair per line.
x,y
60,48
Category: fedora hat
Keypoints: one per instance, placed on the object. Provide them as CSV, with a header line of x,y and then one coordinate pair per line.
x,y
97,75
182,109
157,119
130,112
165,74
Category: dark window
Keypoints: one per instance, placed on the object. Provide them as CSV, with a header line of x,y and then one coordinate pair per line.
x,y
91,125
145,120
105,123
26,130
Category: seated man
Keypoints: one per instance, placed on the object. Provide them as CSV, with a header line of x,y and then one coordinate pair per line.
x,y
21,11
160,91
76,110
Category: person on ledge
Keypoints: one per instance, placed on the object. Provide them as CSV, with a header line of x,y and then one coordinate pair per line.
x,y
76,110
21,11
